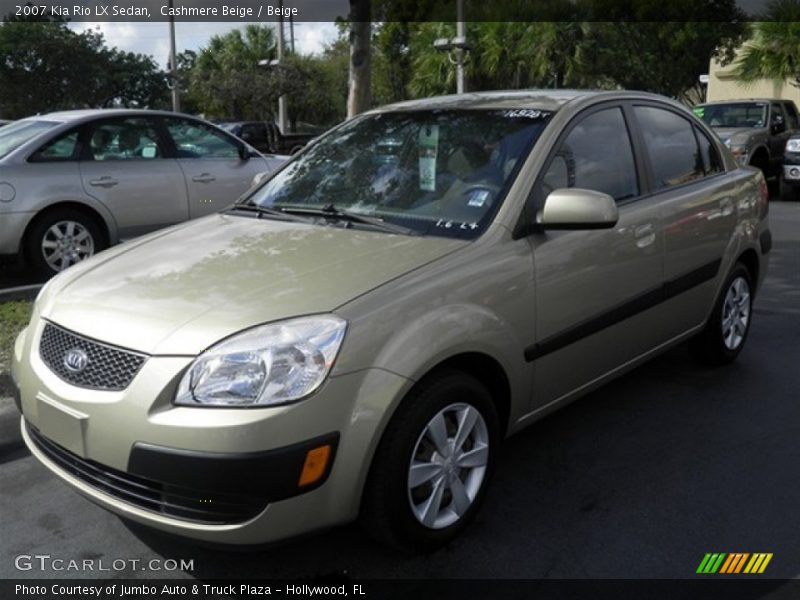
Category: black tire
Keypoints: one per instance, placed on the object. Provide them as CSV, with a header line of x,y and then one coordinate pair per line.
x,y
710,346
35,238
386,510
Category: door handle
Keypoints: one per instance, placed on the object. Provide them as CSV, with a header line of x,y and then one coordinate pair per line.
x,y
645,235
105,182
204,178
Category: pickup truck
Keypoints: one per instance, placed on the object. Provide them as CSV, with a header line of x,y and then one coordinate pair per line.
x,y
267,137
755,130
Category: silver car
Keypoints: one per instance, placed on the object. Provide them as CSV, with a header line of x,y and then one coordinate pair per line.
x,y
73,183
357,335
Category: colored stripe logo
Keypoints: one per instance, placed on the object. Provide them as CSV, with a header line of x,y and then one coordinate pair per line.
x,y
734,563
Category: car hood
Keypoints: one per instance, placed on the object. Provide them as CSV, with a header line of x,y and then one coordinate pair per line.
x,y
726,133
180,291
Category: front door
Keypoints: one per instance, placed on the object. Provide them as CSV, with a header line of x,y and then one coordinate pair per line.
x,y
216,174
593,288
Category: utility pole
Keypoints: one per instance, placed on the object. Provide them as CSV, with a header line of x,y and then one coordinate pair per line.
x,y
291,31
461,34
282,98
173,64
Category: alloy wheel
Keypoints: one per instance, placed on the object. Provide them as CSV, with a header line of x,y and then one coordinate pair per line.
x,y
448,466
736,313
66,243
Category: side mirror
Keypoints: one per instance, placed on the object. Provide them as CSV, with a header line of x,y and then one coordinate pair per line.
x,y
778,124
246,136
245,152
576,208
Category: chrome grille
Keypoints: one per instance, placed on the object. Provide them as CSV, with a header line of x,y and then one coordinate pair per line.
x,y
107,367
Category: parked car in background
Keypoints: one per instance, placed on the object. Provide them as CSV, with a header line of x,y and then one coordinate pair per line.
x,y
73,183
790,177
267,137
755,130
360,332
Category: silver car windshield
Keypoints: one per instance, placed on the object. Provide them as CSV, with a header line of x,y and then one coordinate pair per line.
x,y
14,135
442,172
745,114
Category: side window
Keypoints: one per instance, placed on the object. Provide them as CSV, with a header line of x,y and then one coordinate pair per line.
x,y
777,120
791,116
595,155
124,139
671,146
711,160
194,140
60,149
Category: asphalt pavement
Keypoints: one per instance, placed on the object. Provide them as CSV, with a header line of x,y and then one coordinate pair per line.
x,y
637,480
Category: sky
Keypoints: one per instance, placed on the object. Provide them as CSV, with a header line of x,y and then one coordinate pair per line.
x,y
153,38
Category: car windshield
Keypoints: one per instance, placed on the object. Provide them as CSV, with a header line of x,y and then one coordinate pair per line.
x,y
740,114
14,135
442,172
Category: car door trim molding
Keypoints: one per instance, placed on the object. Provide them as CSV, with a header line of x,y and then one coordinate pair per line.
x,y
636,305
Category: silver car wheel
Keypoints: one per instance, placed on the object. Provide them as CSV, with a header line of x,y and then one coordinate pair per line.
x,y
66,243
448,466
736,313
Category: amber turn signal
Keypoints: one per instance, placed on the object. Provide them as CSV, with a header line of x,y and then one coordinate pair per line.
x,y
314,465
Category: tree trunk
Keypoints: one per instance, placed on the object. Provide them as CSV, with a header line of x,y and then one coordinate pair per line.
x,y
359,95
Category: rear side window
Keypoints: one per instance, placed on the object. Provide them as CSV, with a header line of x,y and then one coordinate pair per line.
x,y
595,155
671,145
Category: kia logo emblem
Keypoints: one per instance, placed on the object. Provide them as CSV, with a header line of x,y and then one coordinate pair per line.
x,y
75,360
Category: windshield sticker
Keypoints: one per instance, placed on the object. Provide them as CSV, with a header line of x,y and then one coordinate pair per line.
x,y
525,113
428,149
699,111
478,198
447,224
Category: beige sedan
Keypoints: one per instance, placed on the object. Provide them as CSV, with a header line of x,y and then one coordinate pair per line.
x,y
356,337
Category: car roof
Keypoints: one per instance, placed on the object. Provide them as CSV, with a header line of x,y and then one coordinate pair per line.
x,y
743,101
538,99
93,113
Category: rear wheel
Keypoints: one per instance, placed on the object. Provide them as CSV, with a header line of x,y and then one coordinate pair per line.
x,y
727,328
61,238
432,467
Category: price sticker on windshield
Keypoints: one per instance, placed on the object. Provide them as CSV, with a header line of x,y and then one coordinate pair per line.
x,y
428,150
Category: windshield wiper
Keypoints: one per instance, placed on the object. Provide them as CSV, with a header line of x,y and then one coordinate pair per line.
x,y
332,211
273,212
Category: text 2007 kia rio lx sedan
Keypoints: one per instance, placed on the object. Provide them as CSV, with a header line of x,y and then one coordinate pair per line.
x,y
357,335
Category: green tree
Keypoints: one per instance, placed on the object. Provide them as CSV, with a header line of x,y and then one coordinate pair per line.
x,y
46,66
773,52
226,80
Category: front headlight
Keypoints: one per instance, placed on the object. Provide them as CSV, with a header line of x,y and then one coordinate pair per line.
x,y
264,366
793,145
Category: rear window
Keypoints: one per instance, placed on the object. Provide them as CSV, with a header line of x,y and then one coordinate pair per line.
x,y
15,135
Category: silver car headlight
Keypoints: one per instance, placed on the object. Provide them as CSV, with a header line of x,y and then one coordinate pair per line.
x,y
793,145
264,366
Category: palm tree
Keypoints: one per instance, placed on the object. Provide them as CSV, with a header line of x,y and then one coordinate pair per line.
x,y
774,50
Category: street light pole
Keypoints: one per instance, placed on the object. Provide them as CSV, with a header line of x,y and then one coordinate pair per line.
x,y
176,99
461,33
282,97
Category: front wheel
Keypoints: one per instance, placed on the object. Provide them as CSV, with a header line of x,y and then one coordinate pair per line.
x,y
727,328
432,467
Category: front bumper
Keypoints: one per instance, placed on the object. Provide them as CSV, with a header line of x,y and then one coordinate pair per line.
x,y
204,461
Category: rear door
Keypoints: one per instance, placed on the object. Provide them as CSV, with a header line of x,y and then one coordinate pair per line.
x,y
216,174
594,288
697,205
125,167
